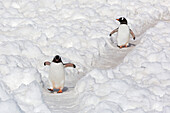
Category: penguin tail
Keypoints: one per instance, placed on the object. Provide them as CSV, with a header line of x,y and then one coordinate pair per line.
x,y
51,90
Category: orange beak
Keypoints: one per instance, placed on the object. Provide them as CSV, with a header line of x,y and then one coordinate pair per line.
x,y
117,19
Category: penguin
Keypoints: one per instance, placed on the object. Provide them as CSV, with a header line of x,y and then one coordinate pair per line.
x,y
57,73
123,34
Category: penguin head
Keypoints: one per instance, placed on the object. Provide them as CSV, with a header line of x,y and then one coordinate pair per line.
x,y
122,20
57,59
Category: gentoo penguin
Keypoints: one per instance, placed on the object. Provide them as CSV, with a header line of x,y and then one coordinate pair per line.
x,y
57,73
124,32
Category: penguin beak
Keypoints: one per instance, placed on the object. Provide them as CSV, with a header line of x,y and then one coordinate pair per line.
x,y
117,19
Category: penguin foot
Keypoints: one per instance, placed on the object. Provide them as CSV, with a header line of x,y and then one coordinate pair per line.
x,y
60,91
122,46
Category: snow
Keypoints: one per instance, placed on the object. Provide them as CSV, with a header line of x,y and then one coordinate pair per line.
x,y
143,85
106,79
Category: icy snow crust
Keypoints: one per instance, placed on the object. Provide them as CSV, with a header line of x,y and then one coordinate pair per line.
x,y
33,31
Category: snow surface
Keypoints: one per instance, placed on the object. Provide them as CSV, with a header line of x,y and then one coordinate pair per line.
x,y
107,79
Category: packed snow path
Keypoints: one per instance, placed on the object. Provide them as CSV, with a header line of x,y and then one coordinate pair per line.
x,y
111,57
62,103
67,101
